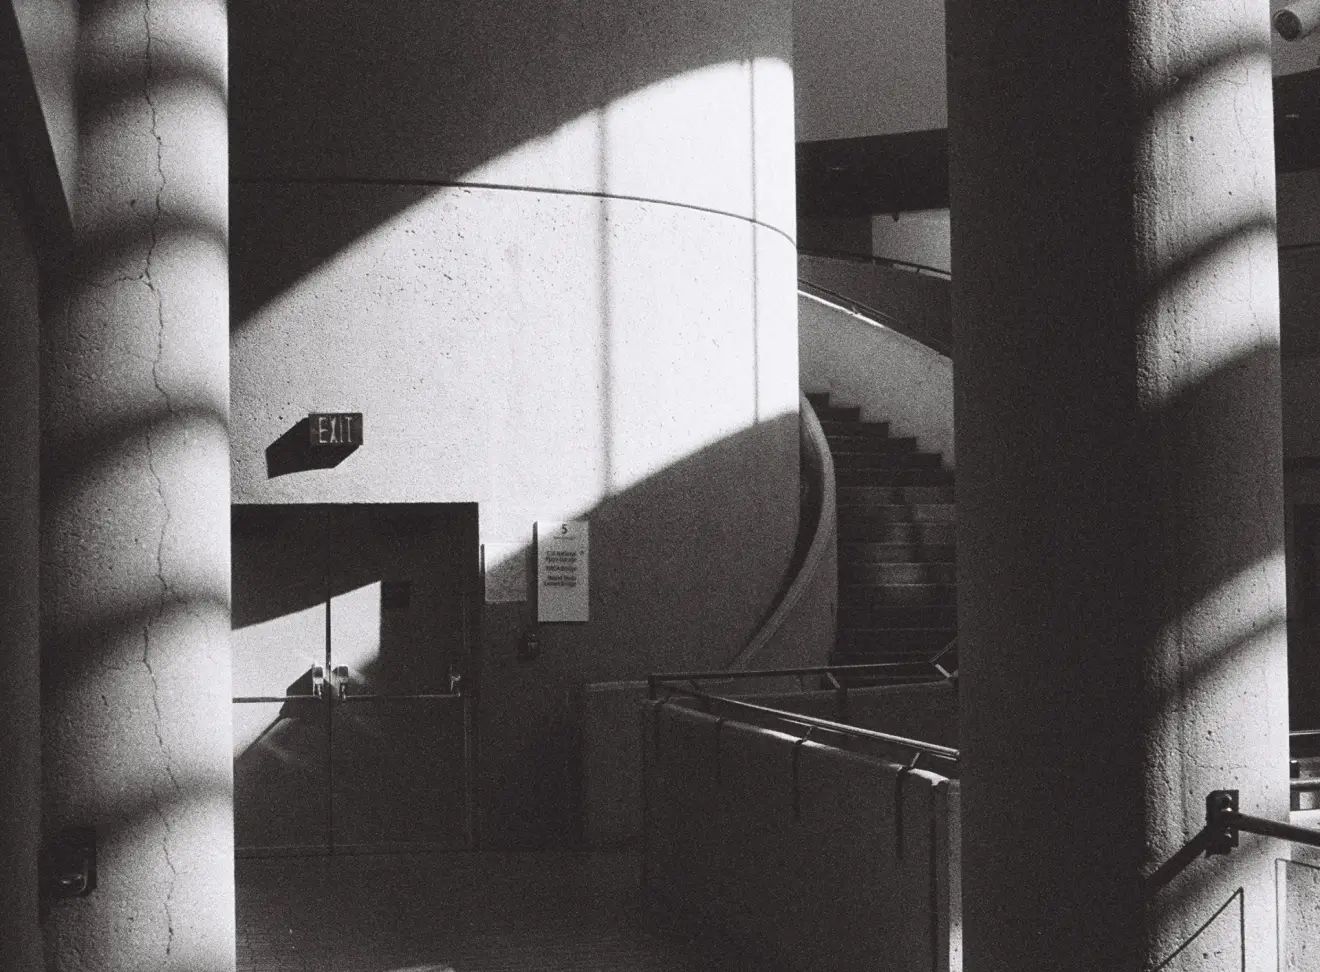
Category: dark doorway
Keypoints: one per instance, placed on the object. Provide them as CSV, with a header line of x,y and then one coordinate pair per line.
x,y
353,634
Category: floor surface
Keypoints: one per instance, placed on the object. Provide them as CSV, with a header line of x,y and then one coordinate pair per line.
x,y
458,912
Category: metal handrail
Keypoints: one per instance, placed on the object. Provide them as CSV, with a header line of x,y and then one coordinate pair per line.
x,y
856,306
877,260
720,675
812,722
1224,820
1219,836
872,314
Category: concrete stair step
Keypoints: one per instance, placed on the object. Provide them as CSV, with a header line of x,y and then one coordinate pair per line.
x,y
897,512
873,459
861,495
871,443
896,594
854,617
857,428
897,573
818,399
838,413
848,476
871,552
882,532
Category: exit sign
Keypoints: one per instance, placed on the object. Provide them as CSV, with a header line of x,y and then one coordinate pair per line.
x,y
335,428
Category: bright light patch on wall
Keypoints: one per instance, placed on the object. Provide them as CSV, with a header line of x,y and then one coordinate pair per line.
x,y
1230,322
686,138
355,632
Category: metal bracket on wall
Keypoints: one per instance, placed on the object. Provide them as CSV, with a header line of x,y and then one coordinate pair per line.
x,y
1222,837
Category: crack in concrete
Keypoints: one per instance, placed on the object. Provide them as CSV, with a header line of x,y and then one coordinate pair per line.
x,y
148,279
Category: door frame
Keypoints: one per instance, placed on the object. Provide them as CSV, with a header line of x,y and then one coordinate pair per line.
x,y
471,599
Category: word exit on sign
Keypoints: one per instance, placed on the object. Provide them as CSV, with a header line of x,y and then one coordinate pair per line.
x,y
335,428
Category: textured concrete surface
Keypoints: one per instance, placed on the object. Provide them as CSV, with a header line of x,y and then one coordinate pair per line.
x,y
135,488
20,716
1120,547
893,378
571,298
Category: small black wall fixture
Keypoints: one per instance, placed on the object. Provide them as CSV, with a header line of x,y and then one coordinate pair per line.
x,y
69,864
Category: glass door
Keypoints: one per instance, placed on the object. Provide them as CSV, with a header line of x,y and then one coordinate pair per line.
x,y
364,614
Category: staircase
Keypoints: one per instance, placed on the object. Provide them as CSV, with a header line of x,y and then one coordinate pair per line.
x,y
896,536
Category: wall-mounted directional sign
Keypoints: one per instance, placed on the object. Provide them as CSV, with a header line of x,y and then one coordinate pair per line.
x,y
561,571
335,428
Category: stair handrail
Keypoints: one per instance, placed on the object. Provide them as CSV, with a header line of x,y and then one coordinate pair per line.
x,y
869,670
950,674
871,315
917,746
876,260
822,541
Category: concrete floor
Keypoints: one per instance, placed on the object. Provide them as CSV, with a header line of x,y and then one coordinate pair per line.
x,y
459,912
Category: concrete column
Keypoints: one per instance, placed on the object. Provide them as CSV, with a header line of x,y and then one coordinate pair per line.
x,y
135,489
1120,549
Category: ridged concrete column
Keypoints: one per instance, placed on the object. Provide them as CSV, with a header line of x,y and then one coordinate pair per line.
x,y
1120,549
135,517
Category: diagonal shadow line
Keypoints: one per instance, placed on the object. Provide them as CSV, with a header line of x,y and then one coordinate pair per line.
x,y
63,459
1183,265
71,649
108,83
119,811
102,252
1206,61
1240,897
1175,865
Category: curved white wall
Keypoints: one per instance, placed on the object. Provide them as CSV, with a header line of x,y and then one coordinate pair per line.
x,y
553,288
893,378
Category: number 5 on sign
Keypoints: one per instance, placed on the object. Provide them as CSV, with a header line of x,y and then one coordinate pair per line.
x,y
561,570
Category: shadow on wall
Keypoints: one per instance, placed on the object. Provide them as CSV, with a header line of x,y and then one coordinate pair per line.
x,y
293,452
428,93
663,595
701,584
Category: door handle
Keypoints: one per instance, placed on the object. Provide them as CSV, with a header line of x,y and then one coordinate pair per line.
x,y
318,682
339,677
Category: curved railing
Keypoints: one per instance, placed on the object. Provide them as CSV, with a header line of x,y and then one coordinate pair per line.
x,y
873,314
878,261
822,544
